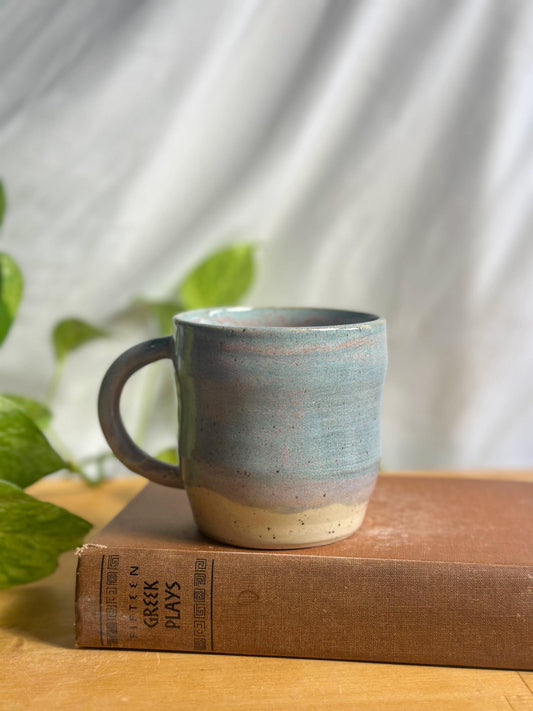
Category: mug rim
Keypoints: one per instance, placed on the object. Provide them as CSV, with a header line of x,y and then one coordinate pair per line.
x,y
355,319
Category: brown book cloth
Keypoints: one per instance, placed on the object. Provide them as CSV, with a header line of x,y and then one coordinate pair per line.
x,y
441,572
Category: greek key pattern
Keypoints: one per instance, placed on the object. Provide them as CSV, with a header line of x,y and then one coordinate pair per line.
x,y
201,605
109,601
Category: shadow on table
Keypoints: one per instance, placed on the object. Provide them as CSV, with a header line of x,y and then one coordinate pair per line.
x,y
43,610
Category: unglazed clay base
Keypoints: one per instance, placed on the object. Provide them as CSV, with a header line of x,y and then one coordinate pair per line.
x,y
239,525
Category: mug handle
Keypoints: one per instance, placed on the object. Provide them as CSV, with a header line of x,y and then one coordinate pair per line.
x,y
111,422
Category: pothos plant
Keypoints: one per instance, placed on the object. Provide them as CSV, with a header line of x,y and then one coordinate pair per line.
x,y
34,533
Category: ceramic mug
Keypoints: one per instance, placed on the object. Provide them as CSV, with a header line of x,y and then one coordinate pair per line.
x,y
279,420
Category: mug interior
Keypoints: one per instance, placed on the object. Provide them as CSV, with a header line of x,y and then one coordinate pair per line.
x,y
298,318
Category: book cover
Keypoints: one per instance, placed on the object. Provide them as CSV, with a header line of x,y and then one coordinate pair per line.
x,y
441,572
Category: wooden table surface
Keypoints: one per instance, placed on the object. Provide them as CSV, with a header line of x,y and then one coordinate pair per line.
x,y
40,667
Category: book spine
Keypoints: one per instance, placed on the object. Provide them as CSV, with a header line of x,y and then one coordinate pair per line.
x,y
309,606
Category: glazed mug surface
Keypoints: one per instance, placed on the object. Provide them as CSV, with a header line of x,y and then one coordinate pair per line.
x,y
279,420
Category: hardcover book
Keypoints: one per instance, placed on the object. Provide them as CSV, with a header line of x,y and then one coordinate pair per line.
x,y
441,572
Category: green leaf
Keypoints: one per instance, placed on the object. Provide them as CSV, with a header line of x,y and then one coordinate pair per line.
x,y
11,286
162,312
222,279
2,202
71,334
170,455
36,411
32,535
25,453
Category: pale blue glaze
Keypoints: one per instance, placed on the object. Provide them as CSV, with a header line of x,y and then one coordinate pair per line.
x,y
280,408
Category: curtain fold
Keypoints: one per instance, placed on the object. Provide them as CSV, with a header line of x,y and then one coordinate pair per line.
x,y
380,153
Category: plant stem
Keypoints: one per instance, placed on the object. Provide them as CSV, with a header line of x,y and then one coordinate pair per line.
x,y
54,383
71,464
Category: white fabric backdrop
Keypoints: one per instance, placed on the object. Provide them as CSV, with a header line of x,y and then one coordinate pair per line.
x,y
380,152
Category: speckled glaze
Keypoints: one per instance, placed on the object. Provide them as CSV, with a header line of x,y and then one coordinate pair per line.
x,y
279,437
